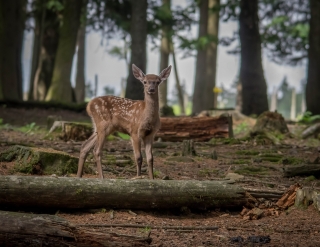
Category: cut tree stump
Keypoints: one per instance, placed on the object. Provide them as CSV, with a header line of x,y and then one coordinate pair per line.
x,y
302,170
306,197
72,130
188,148
47,192
194,128
270,122
33,160
23,229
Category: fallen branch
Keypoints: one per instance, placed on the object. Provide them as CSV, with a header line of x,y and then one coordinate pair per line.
x,y
151,227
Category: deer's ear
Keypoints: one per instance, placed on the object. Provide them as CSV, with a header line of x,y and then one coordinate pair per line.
x,y
165,73
137,73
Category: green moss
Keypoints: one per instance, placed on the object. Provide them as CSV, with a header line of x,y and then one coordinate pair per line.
x,y
240,161
310,179
291,161
252,170
180,159
32,160
247,152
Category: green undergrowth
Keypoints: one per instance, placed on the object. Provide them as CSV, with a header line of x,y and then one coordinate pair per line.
x,y
252,170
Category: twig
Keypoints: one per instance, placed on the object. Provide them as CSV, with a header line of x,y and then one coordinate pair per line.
x,y
152,227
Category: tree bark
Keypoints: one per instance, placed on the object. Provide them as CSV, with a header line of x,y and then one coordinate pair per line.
x,y
46,37
178,84
254,88
12,18
313,81
134,89
302,170
80,77
212,50
200,79
165,53
195,128
60,89
62,192
22,229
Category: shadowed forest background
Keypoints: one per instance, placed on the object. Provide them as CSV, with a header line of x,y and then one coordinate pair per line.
x,y
286,31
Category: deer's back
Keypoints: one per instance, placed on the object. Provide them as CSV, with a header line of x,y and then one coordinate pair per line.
x,y
123,114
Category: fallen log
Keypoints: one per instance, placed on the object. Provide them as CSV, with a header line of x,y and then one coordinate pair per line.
x,y
195,128
302,170
47,192
23,229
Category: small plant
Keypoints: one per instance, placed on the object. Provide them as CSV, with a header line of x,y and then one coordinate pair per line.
x,y
29,127
1,121
147,229
156,174
240,128
307,117
103,210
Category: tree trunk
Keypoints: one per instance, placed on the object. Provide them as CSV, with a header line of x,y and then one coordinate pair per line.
x,y
313,81
178,84
134,89
164,53
200,79
60,89
254,88
40,81
12,18
63,192
22,229
212,50
195,128
80,77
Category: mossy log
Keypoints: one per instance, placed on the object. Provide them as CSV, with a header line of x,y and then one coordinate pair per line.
x,y
23,229
195,128
47,192
302,170
33,160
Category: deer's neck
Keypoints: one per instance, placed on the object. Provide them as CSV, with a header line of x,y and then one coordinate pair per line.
x,y
151,105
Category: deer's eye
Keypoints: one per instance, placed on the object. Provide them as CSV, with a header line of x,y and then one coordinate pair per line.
x,y
144,82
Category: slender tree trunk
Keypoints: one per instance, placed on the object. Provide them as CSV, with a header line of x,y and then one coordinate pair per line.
x,y
46,40
39,26
254,88
164,53
12,18
178,84
60,88
212,49
200,79
80,77
134,89
313,81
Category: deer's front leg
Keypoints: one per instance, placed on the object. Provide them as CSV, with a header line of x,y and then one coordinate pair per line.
x,y
136,144
148,140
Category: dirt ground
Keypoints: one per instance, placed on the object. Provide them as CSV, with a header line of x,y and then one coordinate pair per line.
x,y
260,162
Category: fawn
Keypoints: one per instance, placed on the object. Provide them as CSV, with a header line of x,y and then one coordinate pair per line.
x,y
138,118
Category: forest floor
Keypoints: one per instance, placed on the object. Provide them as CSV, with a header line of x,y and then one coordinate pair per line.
x,y
260,163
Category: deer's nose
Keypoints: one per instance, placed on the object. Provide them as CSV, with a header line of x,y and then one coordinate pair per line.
x,y
151,90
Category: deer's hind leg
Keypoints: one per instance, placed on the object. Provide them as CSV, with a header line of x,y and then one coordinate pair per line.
x,y
85,148
102,132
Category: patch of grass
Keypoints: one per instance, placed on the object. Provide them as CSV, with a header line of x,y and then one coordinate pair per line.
x,y
124,136
240,161
252,170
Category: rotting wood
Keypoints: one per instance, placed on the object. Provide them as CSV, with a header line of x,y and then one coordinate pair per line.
x,y
63,192
22,229
302,170
264,193
195,128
